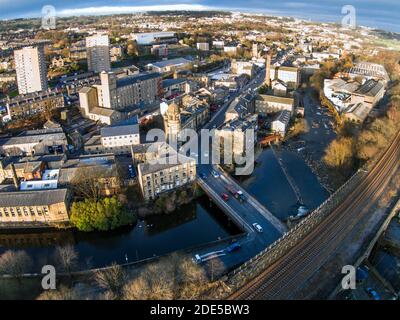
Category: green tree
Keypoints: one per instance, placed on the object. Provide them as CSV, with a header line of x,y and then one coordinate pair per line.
x,y
103,214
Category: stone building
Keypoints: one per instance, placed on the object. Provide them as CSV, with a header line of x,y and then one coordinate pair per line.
x,y
116,139
167,174
232,138
266,104
35,142
33,103
43,206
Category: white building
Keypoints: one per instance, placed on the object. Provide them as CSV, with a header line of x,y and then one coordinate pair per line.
x,y
281,123
122,134
243,67
289,75
218,44
31,69
148,38
170,65
98,53
203,46
230,49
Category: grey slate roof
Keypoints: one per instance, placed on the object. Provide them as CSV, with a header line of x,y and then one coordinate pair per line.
x,y
119,130
32,198
126,81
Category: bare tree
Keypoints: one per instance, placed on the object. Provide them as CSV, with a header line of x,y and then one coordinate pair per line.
x,y
112,279
215,268
15,263
89,183
174,277
62,293
86,182
155,282
66,258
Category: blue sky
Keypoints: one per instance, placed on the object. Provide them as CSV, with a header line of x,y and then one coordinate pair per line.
x,y
384,14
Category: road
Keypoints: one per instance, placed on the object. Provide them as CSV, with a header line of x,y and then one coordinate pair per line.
x,y
288,276
244,214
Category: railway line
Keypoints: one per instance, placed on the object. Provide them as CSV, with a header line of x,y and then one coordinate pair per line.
x,y
288,275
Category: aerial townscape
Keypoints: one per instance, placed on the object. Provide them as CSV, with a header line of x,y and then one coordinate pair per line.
x,y
207,154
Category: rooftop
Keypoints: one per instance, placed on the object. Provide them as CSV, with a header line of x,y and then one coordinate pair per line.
x,y
132,79
33,198
163,163
370,88
171,62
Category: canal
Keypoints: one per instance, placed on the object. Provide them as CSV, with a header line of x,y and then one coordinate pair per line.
x,y
192,225
269,185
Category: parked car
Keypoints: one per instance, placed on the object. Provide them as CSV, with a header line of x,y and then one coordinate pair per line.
x,y
373,294
233,247
197,259
257,227
225,197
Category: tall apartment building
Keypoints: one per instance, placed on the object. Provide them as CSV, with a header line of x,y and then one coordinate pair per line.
x,y
117,99
31,69
98,53
119,93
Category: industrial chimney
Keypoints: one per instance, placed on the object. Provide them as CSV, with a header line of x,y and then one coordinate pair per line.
x,y
268,71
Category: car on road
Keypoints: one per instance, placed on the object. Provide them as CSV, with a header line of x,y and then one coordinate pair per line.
x,y
240,196
258,228
373,294
225,197
215,174
233,247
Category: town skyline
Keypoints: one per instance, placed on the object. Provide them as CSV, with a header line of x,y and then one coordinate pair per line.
x,y
381,15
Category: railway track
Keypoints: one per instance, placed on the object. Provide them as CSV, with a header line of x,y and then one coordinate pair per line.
x,y
284,278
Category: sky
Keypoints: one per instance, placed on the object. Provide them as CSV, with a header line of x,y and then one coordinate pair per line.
x,y
383,14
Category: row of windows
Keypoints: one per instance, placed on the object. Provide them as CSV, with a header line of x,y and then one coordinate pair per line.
x,y
118,137
6,212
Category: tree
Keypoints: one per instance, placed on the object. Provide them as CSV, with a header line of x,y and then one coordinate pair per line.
x,y
339,153
156,282
112,279
132,48
87,184
174,277
104,214
63,293
66,258
15,263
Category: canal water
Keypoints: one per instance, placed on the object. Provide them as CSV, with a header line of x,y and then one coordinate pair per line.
x,y
192,225
269,185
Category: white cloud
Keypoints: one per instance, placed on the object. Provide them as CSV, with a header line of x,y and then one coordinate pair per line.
x,y
129,9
